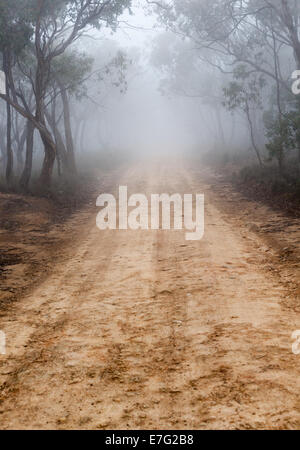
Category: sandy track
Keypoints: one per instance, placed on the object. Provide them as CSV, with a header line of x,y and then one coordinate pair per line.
x,y
146,330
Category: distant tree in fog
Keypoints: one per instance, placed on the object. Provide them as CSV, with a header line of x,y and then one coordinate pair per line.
x,y
54,26
261,35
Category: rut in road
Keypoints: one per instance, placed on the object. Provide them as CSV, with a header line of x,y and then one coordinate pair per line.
x,y
142,329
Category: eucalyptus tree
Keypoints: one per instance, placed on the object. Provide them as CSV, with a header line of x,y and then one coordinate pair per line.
x,y
244,93
261,35
235,31
69,73
15,33
184,74
57,24
107,82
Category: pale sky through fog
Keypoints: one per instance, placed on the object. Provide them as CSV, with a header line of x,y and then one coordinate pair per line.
x,y
144,120
143,22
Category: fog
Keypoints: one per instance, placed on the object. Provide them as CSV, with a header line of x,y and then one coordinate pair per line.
x,y
147,79
149,217
152,116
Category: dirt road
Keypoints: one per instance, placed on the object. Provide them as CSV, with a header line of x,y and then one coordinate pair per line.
x,y
138,330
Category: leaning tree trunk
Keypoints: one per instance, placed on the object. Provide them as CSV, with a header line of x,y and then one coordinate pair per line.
x,y
62,156
49,149
26,175
48,142
49,159
61,153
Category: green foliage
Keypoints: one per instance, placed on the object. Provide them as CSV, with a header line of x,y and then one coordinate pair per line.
x,y
245,90
280,133
71,69
116,70
15,25
282,127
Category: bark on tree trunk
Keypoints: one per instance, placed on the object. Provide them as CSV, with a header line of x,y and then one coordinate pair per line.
x,y
39,122
58,160
61,152
2,148
68,131
292,27
252,135
77,134
48,142
20,141
281,165
220,128
26,175
49,160
82,136
298,150
9,152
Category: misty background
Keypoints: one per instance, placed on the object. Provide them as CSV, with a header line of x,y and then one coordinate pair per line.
x,y
87,81
140,120
165,105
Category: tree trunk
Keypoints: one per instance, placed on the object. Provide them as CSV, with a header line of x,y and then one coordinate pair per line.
x,y
281,165
39,122
68,131
9,152
77,134
26,175
20,141
82,136
298,150
3,148
48,142
252,135
292,27
58,160
49,160
61,155
220,128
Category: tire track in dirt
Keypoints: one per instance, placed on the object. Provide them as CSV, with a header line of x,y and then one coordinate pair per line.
x,y
142,329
